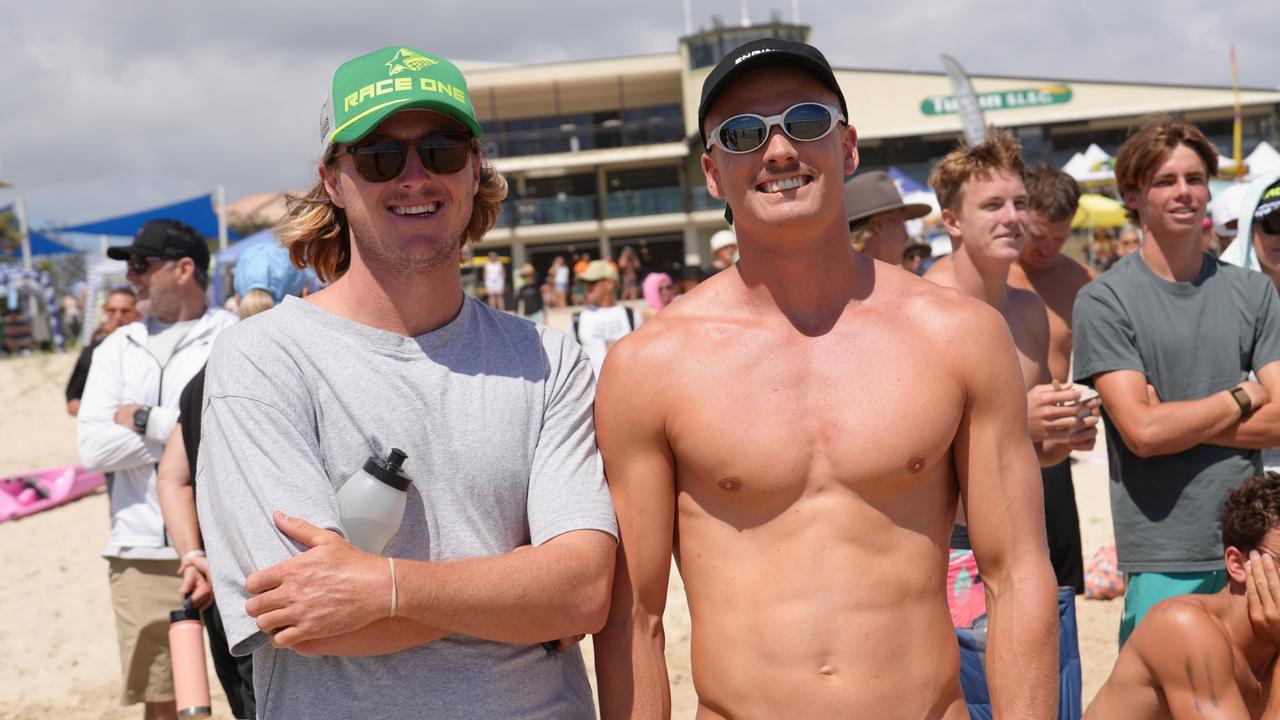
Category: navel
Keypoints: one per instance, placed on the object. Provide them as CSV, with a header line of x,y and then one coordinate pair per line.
x,y
730,484
827,671
915,464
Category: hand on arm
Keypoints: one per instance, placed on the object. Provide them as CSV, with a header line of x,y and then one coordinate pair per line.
x,y
106,445
334,589
1151,427
178,506
1001,491
1259,429
631,666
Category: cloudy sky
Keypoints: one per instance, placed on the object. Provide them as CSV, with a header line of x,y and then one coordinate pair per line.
x,y
110,107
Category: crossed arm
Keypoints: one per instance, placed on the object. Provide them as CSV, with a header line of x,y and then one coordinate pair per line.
x,y
1151,427
334,599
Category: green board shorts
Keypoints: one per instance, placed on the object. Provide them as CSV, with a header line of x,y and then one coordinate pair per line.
x,y
1144,589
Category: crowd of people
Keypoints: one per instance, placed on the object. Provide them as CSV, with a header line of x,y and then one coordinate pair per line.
x,y
749,423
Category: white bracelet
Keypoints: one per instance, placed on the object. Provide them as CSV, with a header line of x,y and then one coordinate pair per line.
x,y
192,554
392,562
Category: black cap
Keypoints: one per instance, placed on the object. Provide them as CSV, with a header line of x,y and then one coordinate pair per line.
x,y
764,53
388,471
167,239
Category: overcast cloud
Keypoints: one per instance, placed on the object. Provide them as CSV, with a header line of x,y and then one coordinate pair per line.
x,y
111,107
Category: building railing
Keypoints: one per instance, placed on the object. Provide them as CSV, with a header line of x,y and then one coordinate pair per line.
x,y
652,201
517,212
576,137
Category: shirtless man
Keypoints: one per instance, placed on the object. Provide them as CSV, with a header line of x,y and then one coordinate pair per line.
x,y
810,531
1197,656
984,210
1052,199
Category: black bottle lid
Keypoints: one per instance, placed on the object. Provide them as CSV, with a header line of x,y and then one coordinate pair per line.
x,y
388,471
186,613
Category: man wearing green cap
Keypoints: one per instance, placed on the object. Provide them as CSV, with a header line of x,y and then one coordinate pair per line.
x,y
493,412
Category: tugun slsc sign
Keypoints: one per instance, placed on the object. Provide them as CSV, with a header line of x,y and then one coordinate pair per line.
x,y
1003,100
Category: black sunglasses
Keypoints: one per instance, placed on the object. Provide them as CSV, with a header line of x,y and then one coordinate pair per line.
x,y
748,132
1270,223
140,264
441,153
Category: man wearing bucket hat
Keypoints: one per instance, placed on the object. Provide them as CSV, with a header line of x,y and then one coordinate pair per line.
x,y
452,622
878,216
129,408
754,427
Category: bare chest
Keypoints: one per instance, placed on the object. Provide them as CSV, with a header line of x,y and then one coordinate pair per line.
x,y
773,422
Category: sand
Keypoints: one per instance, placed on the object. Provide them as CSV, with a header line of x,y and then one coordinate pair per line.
x,y
58,633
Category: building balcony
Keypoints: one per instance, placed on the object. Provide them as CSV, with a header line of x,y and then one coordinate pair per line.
x,y
652,201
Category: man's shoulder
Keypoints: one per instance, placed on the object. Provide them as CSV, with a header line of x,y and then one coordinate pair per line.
x,y
1180,623
524,337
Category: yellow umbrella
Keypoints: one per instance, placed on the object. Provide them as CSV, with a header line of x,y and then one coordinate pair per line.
x,y
1098,211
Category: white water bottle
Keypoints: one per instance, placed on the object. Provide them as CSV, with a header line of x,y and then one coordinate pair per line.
x,y
371,502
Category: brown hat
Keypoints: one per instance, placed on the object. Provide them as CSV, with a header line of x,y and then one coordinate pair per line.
x,y
874,192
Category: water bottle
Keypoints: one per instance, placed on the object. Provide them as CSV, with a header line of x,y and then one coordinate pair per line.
x,y
371,502
186,649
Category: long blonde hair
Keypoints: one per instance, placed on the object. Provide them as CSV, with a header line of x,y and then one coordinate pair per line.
x,y
316,233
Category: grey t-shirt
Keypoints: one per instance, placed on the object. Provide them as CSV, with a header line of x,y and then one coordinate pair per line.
x,y
1190,340
495,414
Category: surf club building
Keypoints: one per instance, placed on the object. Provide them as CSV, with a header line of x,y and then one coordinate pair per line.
x,y
604,154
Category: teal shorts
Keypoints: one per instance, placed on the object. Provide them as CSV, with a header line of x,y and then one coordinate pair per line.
x,y
1143,590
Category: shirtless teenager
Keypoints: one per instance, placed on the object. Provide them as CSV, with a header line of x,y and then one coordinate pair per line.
x,y
1052,199
984,210
810,530
1198,656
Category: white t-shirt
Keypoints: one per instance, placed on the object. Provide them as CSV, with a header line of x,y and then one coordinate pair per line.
x,y
495,278
599,328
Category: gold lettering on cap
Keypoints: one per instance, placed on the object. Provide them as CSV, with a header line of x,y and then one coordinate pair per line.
x,y
383,87
350,100
404,84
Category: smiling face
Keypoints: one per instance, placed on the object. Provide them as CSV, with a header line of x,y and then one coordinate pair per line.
x,y
1173,204
414,222
992,220
785,183
1045,239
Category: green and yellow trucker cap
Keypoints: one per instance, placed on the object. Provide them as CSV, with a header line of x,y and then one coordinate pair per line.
x,y
370,88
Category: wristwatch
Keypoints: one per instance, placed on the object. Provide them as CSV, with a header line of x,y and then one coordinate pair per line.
x,y
141,415
1242,399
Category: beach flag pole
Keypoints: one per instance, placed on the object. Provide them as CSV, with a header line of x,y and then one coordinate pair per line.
x,y
1237,127
20,214
221,194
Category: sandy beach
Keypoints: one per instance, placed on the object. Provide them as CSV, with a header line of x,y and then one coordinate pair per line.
x,y
58,637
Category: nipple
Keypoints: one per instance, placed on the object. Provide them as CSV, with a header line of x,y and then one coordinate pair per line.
x,y
729,484
915,464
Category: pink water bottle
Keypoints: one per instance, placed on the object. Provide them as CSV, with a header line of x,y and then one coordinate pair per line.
x,y
186,648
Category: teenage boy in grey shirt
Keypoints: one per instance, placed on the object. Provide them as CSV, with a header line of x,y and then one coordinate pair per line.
x,y
1169,337
494,413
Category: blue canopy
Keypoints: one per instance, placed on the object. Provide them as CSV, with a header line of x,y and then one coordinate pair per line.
x,y
40,245
905,184
197,212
